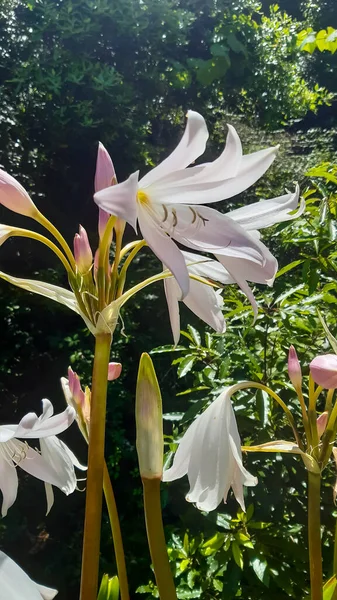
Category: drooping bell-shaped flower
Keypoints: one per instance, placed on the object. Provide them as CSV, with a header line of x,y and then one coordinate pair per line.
x,y
105,176
14,196
209,453
294,369
82,251
52,469
15,584
323,370
167,202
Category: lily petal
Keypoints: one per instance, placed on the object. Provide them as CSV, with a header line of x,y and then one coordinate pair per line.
x,y
8,485
206,303
191,146
55,453
171,289
36,465
165,249
32,426
121,200
252,167
268,212
16,585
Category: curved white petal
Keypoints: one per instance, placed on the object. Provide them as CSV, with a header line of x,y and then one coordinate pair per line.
x,y
173,293
203,228
8,485
268,212
224,167
206,303
165,249
36,465
121,199
16,585
32,426
54,292
182,191
183,455
55,453
191,146
206,267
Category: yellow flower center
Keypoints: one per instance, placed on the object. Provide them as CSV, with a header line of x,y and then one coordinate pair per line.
x,y
142,197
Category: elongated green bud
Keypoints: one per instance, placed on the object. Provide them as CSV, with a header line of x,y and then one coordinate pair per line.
x,y
149,421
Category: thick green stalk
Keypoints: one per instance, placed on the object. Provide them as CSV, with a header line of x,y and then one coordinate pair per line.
x,y
116,535
156,539
335,552
93,506
314,536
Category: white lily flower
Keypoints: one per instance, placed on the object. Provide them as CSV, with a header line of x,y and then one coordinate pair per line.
x,y
52,465
167,202
16,585
210,454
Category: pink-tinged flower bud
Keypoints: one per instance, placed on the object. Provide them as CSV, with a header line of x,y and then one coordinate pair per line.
x,y
114,371
75,388
322,422
105,171
15,197
323,370
82,251
294,369
105,176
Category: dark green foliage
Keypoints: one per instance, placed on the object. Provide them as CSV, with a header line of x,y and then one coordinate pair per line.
x,y
123,71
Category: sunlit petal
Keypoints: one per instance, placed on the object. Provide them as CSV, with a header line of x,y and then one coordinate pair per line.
x,y
8,484
16,585
121,199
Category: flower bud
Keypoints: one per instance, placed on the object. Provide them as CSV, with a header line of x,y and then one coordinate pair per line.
x,y
322,422
149,422
75,387
105,176
15,197
82,251
323,370
114,371
294,369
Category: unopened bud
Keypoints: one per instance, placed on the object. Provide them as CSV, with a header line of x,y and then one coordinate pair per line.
x,y
105,176
114,371
294,369
149,422
322,422
15,197
75,387
82,251
323,370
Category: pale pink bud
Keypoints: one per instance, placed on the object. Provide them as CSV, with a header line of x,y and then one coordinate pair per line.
x,y
105,171
323,370
15,197
75,388
82,251
322,422
294,369
114,371
105,176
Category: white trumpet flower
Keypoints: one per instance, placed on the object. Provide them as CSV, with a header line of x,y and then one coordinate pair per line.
x,y
52,465
210,455
167,202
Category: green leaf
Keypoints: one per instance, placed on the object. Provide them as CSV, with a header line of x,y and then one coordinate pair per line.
x,y
259,567
186,365
330,589
195,335
237,554
289,267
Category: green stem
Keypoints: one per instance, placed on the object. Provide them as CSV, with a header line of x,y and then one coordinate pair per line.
x,y
156,539
40,218
122,275
114,272
314,536
116,535
260,386
93,506
335,552
41,238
